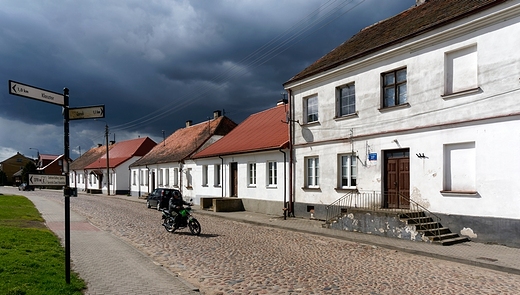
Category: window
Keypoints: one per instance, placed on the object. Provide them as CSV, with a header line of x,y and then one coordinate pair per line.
x,y
271,174
160,177
141,177
189,180
205,175
346,100
216,177
176,177
313,171
348,171
394,88
167,177
134,177
311,109
252,174
460,164
461,70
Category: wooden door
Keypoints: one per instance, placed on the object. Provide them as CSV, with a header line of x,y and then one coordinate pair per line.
x,y
397,181
234,180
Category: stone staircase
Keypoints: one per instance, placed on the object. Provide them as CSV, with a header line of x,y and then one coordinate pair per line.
x,y
431,229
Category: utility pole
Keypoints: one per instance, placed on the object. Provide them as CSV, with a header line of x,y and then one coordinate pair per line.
x,y
108,161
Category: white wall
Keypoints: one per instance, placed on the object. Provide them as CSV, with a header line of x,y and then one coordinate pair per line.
x,y
488,117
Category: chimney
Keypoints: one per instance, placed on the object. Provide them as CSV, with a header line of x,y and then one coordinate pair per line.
x,y
112,142
99,145
216,114
188,123
419,2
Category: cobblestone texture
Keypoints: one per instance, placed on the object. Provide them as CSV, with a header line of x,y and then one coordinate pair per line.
x,y
231,257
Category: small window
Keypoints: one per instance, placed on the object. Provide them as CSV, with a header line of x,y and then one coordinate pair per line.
x,y
134,177
216,175
189,180
176,177
272,174
311,109
160,177
313,172
394,88
348,175
204,175
167,177
252,174
346,100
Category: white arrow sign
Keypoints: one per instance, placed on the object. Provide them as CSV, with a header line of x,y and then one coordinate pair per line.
x,y
87,112
41,179
24,90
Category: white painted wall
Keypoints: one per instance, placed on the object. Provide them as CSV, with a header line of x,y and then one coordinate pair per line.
x,y
488,117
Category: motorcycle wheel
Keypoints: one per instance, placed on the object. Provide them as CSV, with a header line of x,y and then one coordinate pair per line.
x,y
194,226
168,224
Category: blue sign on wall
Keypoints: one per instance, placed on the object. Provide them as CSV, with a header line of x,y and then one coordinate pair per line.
x,y
372,157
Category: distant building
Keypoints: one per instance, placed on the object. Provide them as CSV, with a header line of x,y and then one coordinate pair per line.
x,y
11,166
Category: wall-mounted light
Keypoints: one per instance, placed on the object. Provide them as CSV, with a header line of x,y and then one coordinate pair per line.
x,y
421,156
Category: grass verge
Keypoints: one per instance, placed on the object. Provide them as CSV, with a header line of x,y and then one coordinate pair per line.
x,y
32,260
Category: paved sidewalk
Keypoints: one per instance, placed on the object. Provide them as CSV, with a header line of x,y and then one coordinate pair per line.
x,y
106,263
496,257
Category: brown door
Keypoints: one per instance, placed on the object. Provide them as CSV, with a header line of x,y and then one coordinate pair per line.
x,y
397,181
234,179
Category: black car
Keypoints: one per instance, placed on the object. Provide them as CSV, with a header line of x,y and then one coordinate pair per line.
x,y
25,187
160,197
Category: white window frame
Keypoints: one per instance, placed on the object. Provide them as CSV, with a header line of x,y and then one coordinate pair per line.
x,y
461,70
347,171
251,174
272,173
189,178
204,175
176,177
167,176
134,177
312,172
217,175
311,110
160,177
347,100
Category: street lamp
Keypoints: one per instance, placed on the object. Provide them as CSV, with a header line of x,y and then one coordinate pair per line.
x,y
37,154
108,159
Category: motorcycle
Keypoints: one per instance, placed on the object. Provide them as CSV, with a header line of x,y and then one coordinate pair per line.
x,y
172,222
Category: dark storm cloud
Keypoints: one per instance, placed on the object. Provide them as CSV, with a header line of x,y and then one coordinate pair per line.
x,y
156,64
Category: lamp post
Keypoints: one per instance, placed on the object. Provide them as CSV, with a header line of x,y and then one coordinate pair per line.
x,y
37,153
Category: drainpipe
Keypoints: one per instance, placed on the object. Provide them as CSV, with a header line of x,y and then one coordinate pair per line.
x,y
284,184
148,177
222,176
291,153
86,182
129,181
139,183
180,176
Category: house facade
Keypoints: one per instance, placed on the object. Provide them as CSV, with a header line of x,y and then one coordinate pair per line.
x,y
50,164
112,176
10,166
165,165
250,163
421,107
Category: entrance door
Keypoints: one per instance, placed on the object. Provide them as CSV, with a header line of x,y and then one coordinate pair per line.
x,y
234,179
397,180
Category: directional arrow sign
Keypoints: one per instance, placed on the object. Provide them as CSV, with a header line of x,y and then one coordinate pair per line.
x,y
24,90
41,179
87,112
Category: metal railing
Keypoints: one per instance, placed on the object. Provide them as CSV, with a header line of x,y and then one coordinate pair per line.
x,y
375,201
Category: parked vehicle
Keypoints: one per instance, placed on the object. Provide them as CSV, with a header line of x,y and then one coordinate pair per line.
x,y
25,187
159,198
172,221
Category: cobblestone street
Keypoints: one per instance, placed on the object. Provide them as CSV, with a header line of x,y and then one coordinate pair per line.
x,y
231,257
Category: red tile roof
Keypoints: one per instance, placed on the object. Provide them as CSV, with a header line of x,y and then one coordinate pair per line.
x,y
90,156
186,141
122,152
265,130
409,24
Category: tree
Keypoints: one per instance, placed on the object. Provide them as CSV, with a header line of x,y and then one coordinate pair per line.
x,y
29,168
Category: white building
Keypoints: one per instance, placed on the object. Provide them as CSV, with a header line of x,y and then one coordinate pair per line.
x,y
249,163
423,104
164,165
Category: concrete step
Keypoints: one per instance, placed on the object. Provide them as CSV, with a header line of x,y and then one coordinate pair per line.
x,y
454,241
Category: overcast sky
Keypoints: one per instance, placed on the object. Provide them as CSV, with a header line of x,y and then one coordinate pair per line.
x,y
156,64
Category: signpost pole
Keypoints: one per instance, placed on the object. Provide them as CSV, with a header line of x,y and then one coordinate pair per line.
x,y
66,190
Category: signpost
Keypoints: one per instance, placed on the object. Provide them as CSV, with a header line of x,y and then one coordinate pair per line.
x,y
92,112
24,90
20,89
50,180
